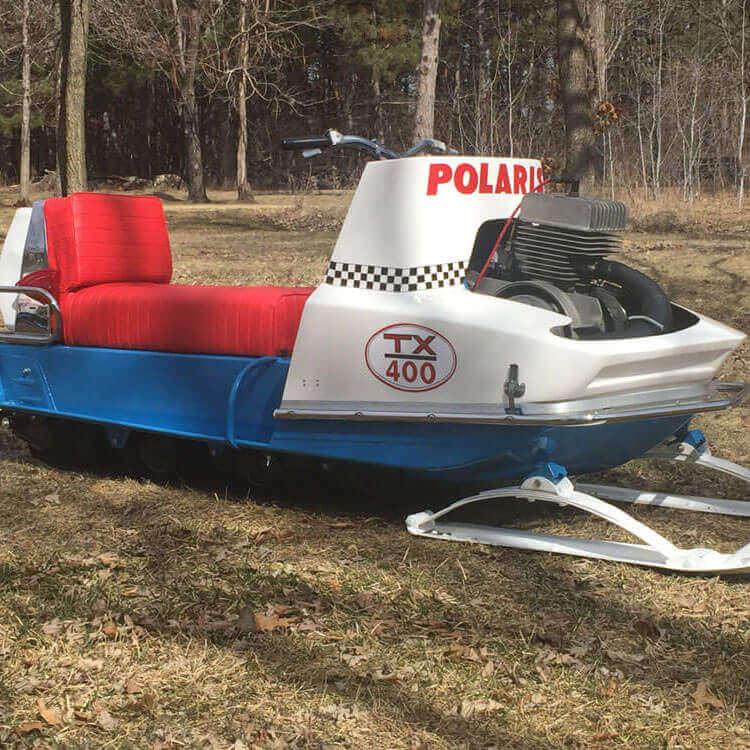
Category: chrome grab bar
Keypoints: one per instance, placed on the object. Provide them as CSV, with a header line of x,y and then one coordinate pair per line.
x,y
55,317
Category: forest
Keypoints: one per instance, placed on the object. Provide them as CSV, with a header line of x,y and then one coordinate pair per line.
x,y
196,88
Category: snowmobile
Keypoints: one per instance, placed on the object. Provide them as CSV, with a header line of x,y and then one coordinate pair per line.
x,y
470,327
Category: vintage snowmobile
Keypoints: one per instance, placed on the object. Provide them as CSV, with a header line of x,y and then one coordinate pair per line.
x,y
469,328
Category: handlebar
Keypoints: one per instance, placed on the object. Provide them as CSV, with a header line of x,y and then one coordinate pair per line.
x,y
302,144
313,146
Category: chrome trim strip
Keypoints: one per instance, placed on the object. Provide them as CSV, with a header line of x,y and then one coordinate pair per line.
x,y
719,396
24,338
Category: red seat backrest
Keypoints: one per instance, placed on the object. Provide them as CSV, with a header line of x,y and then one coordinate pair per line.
x,y
94,238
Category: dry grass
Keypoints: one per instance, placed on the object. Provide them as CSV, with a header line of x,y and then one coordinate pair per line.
x,y
129,611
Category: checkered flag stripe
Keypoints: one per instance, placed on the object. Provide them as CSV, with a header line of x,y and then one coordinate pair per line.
x,y
385,279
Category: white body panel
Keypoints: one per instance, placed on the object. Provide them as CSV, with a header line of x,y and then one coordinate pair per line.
x,y
11,261
488,335
413,213
393,222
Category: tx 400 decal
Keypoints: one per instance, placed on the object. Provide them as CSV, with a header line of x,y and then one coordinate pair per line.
x,y
410,357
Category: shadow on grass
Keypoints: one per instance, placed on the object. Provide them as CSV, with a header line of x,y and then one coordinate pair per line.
x,y
520,593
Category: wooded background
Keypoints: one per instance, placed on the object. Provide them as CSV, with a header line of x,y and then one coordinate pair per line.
x,y
646,93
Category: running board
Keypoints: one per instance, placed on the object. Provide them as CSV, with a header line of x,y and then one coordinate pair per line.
x,y
550,484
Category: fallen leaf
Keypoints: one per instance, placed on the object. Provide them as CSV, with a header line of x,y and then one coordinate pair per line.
x,y
647,628
704,697
543,672
366,600
29,726
616,655
467,652
355,655
469,708
339,713
53,627
444,597
609,690
110,630
132,686
265,623
322,566
245,622
92,664
308,625
53,497
31,684
551,633
217,625
379,676
279,609
105,721
108,559
50,715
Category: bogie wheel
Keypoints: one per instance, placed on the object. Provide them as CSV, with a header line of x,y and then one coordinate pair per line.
x,y
260,470
62,442
153,456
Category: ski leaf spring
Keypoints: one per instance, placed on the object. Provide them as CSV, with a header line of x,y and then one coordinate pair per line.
x,y
550,484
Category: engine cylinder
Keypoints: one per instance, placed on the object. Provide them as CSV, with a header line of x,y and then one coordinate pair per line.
x,y
560,238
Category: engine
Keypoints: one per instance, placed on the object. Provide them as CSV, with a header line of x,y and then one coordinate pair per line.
x,y
556,258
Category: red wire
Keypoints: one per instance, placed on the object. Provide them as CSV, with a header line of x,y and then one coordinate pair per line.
x,y
501,235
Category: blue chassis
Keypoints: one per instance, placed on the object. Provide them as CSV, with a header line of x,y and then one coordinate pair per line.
x,y
230,401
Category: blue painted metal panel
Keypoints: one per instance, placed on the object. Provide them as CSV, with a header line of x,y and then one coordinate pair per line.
x,y
464,452
181,394
231,400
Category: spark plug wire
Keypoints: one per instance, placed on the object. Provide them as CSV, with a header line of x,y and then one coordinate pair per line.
x,y
503,231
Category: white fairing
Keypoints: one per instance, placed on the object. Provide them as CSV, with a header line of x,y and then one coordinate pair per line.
x,y
444,345
409,212
11,261
488,335
393,325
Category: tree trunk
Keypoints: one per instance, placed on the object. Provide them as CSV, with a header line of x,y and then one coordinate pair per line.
x,y
743,112
378,106
71,124
598,16
482,79
25,168
244,193
189,38
574,92
424,117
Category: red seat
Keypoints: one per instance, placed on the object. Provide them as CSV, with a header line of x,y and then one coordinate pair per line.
x,y
252,321
111,265
96,239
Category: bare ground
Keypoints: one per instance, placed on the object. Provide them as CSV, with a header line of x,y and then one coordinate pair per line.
x,y
138,615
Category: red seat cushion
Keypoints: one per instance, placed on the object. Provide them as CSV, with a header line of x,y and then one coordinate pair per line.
x,y
94,238
252,321
110,264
